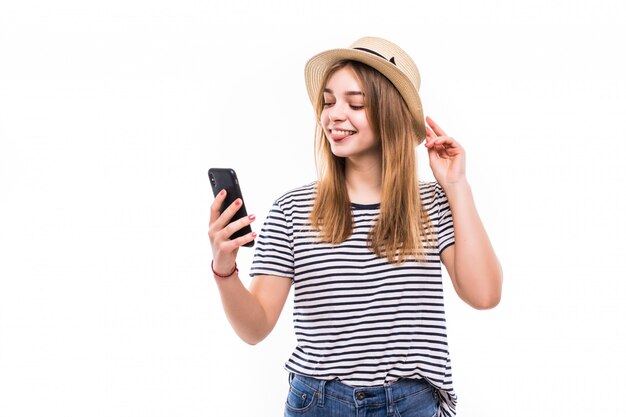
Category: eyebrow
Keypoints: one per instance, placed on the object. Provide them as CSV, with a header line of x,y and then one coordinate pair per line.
x,y
347,93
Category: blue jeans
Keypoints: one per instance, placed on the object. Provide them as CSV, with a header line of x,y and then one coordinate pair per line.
x,y
310,397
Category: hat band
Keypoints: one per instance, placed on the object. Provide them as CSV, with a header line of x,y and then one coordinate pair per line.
x,y
392,60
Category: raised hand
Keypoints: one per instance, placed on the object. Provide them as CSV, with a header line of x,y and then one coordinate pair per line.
x,y
446,155
224,249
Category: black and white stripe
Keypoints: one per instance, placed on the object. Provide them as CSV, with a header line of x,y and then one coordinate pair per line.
x,y
358,318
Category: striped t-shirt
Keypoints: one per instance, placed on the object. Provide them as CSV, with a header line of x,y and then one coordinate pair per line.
x,y
358,318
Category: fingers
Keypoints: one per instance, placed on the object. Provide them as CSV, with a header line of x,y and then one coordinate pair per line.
x,y
434,141
229,246
430,135
444,147
437,140
215,207
242,240
446,141
225,251
236,225
220,229
433,135
221,220
435,127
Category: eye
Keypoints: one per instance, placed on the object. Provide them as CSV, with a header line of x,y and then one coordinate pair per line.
x,y
328,103
354,107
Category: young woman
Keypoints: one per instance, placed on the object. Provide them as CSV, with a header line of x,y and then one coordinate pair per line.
x,y
363,247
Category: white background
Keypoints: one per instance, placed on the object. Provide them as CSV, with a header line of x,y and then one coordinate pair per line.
x,y
112,112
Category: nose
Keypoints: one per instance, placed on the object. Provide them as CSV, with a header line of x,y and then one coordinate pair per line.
x,y
336,113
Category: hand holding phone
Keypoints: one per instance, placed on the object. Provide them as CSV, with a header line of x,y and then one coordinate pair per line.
x,y
226,179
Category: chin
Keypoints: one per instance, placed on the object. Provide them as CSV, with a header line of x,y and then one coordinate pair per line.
x,y
340,153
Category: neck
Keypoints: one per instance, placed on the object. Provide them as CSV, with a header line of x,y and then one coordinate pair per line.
x,y
364,180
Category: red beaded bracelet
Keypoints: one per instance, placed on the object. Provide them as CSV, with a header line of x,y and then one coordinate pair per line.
x,y
224,276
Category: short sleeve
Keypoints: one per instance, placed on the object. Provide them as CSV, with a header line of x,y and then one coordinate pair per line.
x,y
273,254
443,223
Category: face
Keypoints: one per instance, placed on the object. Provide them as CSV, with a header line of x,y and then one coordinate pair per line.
x,y
344,118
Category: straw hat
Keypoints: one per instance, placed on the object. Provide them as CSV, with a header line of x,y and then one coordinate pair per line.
x,y
386,57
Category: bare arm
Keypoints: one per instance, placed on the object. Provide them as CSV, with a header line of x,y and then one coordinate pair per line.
x,y
471,262
252,313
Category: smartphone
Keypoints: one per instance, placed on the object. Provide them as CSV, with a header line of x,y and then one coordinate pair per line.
x,y
226,179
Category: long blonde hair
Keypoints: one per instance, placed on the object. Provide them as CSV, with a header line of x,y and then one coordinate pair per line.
x,y
403,225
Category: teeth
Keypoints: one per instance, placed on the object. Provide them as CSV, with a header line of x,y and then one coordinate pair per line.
x,y
344,132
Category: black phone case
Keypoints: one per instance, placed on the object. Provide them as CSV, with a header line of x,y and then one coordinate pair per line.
x,y
226,179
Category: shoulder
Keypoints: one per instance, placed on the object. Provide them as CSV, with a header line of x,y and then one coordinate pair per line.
x,y
433,197
430,190
302,195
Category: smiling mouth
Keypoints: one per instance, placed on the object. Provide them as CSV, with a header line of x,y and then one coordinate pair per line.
x,y
338,135
339,132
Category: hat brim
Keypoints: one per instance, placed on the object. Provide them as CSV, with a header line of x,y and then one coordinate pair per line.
x,y
316,68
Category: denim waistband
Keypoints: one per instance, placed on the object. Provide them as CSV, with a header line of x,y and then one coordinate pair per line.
x,y
378,395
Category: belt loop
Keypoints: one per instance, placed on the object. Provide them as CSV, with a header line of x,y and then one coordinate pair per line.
x,y
320,399
290,377
390,403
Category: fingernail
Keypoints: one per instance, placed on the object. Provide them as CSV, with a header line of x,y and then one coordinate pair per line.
x,y
253,234
252,217
222,192
238,202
